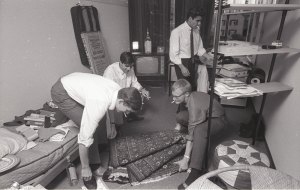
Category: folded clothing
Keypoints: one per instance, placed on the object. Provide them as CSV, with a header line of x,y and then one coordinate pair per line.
x,y
46,133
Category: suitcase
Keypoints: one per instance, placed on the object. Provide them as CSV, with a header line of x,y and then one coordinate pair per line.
x,y
89,40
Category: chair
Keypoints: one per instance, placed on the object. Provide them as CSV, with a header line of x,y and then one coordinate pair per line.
x,y
261,178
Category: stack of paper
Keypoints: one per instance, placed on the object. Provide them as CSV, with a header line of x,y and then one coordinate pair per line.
x,y
231,88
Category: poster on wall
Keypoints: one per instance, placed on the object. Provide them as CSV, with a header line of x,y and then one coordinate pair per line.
x,y
96,51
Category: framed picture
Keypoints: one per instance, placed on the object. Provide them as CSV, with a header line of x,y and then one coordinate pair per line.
x,y
160,49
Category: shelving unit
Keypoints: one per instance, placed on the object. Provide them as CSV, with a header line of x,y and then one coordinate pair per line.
x,y
267,87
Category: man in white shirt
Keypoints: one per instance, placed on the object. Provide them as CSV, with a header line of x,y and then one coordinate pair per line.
x,y
85,98
182,51
123,74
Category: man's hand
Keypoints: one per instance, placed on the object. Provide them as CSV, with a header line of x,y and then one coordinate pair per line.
x,y
145,93
206,59
178,127
183,164
184,70
86,173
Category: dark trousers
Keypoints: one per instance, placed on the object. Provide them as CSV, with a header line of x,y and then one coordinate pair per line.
x,y
187,62
200,136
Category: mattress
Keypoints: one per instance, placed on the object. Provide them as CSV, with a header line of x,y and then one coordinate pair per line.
x,y
39,159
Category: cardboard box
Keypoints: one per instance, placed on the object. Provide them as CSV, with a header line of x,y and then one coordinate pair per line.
x,y
242,102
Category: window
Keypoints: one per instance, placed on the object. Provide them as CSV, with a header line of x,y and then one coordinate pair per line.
x,y
222,32
230,32
233,22
223,22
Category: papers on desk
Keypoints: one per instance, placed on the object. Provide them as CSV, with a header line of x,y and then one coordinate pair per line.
x,y
231,88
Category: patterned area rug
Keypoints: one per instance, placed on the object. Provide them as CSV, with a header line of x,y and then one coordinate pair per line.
x,y
148,157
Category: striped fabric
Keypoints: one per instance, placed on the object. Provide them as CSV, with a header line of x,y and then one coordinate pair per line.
x,y
88,17
234,153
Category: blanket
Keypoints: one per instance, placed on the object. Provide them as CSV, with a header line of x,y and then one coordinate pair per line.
x,y
146,156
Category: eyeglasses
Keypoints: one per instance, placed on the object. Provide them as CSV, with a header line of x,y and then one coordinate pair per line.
x,y
176,97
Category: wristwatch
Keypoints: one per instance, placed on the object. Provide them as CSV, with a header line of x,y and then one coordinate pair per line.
x,y
112,123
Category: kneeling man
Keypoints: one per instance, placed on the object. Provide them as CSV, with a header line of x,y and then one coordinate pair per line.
x,y
194,115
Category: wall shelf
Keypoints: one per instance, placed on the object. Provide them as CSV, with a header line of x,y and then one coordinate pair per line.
x,y
272,87
236,51
269,86
262,51
262,7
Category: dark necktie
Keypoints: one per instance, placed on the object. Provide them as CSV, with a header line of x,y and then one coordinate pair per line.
x,y
192,45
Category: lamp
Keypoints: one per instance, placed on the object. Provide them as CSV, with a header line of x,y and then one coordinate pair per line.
x,y
135,46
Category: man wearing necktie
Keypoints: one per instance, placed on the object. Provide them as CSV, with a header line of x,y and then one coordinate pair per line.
x,y
185,43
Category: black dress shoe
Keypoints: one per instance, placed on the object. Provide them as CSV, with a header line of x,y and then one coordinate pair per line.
x,y
129,120
119,132
133,117
91,184
120,179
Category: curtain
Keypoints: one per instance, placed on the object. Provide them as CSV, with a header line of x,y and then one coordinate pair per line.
x,y
151,14
181,9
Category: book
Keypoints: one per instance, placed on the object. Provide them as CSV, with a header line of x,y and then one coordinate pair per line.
x,y
30,118
230,82
96,51
47,113
36,123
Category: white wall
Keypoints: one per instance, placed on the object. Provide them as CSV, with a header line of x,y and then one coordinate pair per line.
x,y
282,110
37,46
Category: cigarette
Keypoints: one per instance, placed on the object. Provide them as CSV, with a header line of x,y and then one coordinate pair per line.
x,y
125,114
172,102
198,27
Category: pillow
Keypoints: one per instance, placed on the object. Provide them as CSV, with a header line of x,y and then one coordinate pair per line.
x,y
11,143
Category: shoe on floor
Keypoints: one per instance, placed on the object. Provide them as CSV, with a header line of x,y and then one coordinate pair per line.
x,y
90,184
119,131
133,117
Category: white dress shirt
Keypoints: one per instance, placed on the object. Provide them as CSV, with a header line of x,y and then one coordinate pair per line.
x,y
125,80
180,43
97,94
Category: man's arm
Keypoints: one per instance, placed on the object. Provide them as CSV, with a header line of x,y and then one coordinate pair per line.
x,y
84,157
184,163
174,52
205,58
108,73
113,132
137,85
134,81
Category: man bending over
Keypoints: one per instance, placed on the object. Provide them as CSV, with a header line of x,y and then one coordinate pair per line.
x,y
85,98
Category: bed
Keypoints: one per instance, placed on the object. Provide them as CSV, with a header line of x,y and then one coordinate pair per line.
x,y
42,163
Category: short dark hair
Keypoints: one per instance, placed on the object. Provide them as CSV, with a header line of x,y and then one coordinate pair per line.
x,y
126,58
195,11
132,97
183,85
